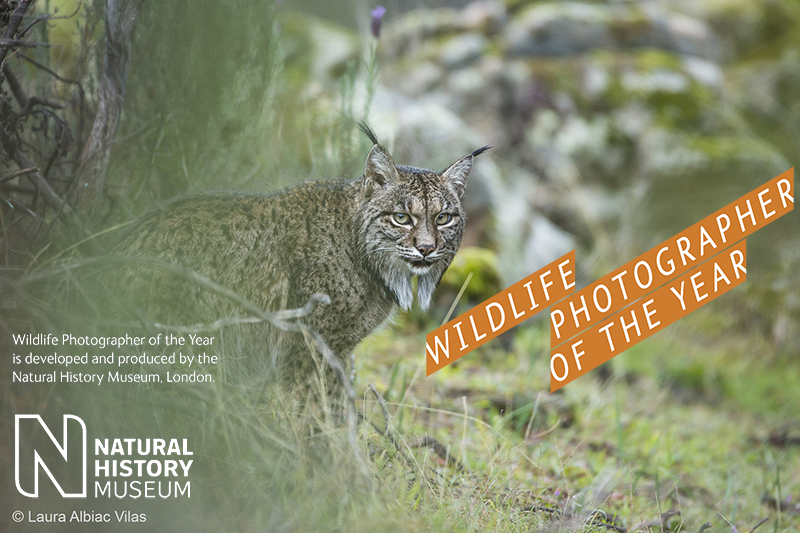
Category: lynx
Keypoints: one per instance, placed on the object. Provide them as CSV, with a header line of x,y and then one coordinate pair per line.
x,y
360,242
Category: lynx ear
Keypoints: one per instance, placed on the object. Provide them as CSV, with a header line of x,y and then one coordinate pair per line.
x,y
379,169
456,175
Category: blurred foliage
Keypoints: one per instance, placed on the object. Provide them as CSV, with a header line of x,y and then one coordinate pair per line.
x,y
241,101
197,87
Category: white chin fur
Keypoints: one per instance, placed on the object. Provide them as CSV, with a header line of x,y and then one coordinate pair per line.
x,y
399,282
419,271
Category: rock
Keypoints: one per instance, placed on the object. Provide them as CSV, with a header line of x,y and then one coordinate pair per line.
x,y
705,72
593,148
485,16
528,240
461,50
553,29
633,119
740,25
414,28
558,29
420,79
596,81
662,80
690,36
479,91
486,280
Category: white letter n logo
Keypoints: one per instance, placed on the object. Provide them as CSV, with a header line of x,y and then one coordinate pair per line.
x,y
39,462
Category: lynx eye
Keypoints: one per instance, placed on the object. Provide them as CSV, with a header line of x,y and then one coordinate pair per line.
x,y
444,219
402,218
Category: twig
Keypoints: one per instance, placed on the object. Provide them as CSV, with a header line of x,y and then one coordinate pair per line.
x,y
50,196
16,188
16,87
660,521
277,319
6,43
17,173
599,518
13,24
50,71
286,314
387,429
430,442
33,100
541,508
22,207
596,518
758,525
48,17
778,505
618,529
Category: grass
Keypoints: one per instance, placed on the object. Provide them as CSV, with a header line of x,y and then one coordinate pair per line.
x,y
682,422
648,440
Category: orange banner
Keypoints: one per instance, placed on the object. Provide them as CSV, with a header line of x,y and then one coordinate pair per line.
x,y
672,258
500,313
648,315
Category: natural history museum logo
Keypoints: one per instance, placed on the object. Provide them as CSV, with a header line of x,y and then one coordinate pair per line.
x,y
123,468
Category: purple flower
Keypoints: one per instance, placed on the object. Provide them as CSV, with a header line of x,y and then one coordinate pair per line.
x,y
377,15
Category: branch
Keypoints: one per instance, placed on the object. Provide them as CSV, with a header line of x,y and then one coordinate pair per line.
x,y
16,173
22,207
286,314
16,87
48,17
13,25
277,319
50,196
430,442
51,72
387,430
120,24
7,43
33,100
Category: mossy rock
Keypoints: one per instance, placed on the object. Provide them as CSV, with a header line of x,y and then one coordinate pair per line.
x,y
416,27
484,266
663,83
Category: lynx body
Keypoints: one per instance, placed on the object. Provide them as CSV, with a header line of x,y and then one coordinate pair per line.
x,y
359,242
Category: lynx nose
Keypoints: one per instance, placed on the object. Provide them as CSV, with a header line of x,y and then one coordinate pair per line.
x,y
425,249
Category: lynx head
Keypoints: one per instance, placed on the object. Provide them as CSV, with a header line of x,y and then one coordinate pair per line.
x,y
411,221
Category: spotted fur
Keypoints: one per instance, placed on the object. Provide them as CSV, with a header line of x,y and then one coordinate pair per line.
x,y
361,242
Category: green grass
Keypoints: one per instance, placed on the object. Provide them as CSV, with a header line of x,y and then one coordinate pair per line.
x,y
681,423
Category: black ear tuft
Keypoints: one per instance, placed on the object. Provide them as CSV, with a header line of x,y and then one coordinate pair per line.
x,y
363,126
479,151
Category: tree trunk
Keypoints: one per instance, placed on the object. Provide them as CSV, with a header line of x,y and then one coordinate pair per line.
x,y
120,24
